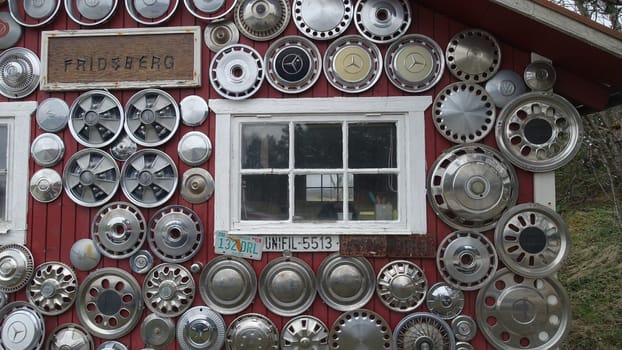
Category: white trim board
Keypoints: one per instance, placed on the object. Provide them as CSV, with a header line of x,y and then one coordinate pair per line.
x,y
14,230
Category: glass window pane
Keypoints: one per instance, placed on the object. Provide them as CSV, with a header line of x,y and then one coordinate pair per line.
x,y
2,197
4,148
265,146
320,197
375,197
372,145
265,197
4,140
323,188
318,146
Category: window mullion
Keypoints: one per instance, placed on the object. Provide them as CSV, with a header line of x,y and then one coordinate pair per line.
x,y
373,171
344,182
291,174
264,171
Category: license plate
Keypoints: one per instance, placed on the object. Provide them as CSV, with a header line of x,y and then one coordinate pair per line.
x,y
240,246
301,243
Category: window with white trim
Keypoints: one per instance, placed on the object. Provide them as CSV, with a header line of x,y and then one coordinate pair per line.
x,y
14,148
320,166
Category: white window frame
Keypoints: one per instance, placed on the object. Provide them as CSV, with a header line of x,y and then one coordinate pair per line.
x,y
407,111
17,116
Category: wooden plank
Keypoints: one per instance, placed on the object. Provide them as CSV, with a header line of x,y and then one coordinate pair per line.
x,y
120,59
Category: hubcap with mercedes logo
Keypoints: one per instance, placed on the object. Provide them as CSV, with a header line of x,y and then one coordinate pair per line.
x,y
22,327
293,64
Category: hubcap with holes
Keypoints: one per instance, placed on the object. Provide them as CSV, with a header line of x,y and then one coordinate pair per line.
x,y
539,132
304,332
515,312
402,286
119,230
423,331
464,112
96,118
109,303
467,260
532,240
149,178
236,72
91,177
352,64
471,185
168,290
382,21
473,55
53,288
414,63
360,327
151,117
175,234
322,20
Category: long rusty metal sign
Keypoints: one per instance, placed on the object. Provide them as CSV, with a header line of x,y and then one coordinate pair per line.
x,y
381,246
121,58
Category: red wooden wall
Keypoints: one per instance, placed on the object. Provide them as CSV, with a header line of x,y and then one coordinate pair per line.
x,y
54,227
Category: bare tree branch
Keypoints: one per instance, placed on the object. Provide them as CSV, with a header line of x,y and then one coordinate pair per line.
x,y
605,12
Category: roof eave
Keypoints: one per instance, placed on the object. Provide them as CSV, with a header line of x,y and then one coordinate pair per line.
x,y
567,22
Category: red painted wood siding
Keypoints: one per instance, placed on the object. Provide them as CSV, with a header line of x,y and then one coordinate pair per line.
x,y
54,227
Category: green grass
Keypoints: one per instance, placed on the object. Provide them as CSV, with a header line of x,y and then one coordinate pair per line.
x,y
592,275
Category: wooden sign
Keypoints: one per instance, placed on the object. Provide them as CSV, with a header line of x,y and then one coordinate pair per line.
x,y
121,58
